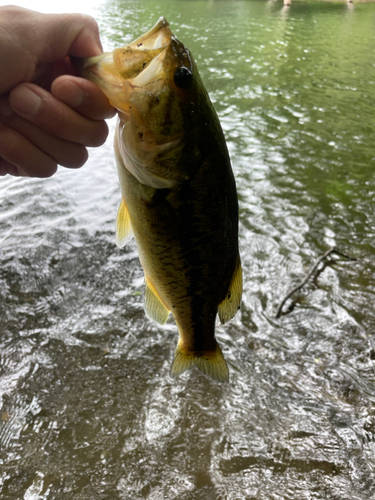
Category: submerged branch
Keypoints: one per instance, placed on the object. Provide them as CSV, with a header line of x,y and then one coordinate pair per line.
x,y
310,273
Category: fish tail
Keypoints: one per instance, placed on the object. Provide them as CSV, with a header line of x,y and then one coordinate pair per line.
x,y
212,364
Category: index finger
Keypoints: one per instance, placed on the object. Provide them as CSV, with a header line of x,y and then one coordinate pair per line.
x,y
83,96
67,35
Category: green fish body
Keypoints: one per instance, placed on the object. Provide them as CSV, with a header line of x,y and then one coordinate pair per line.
x,y
179,197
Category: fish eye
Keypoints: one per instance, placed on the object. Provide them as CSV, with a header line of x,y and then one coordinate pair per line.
x,y
183,77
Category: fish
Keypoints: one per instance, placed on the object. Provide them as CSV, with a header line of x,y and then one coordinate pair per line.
x,y
179,198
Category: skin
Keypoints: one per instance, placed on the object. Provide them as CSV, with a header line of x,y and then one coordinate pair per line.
x,y
187,235
48,114
189,260
179,195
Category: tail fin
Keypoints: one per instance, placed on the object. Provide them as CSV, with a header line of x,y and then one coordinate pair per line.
x,y
212,364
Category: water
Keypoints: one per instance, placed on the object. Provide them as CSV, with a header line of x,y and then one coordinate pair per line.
x,y
87,408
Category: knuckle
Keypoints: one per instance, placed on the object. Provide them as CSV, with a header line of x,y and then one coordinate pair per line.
x,y
77,158
22,157
99,134
9,143
43,169
48,172
84,20
91,24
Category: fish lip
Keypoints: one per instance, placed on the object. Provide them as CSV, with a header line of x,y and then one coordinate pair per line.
x,y
121,68
92,66
161,27
141,44
110,84
146,64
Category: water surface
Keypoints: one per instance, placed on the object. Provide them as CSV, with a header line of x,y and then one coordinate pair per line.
x,y
87,407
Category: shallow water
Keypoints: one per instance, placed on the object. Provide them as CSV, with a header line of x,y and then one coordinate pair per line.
x,y
88,409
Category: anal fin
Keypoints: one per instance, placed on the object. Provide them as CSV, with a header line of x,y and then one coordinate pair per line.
x,y
124,231
154,307
230,305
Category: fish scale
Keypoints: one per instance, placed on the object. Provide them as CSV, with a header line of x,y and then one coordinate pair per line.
x,y
179,197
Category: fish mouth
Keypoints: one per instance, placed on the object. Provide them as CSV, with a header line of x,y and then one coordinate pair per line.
x,y
143,64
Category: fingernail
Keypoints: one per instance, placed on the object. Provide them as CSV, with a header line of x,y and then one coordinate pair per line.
x,y
25,102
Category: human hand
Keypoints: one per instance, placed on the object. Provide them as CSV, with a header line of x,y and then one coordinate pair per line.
x,y
48,115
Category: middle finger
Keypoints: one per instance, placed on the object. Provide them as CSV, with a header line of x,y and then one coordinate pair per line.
x,y
56,118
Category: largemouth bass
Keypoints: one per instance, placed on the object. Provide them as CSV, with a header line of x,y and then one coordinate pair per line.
x,y
179,197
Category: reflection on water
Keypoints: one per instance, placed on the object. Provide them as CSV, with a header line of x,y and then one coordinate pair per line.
x,y
87,409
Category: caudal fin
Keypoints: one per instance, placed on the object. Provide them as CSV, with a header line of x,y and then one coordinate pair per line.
x,y
212,364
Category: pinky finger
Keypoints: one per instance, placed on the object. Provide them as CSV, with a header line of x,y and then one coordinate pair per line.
x,y
20,157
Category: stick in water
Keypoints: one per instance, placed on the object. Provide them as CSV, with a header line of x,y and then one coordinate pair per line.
x,y
311,272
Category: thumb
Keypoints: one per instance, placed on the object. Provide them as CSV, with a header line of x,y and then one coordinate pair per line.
x,y
62,35
30,39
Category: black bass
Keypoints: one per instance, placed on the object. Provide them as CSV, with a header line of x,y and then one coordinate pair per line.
x,y
179,197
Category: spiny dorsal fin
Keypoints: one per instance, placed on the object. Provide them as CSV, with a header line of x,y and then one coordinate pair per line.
x,y
230,305
212,364
154,307
124,231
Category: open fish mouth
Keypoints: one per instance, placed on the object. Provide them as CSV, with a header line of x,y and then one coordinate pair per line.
x,y
146,63
127,62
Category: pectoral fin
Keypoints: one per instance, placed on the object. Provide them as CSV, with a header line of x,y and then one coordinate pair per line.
x,y
124,231
230,305
154,307
212,364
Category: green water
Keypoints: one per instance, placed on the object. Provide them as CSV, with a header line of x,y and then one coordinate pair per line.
x,y
87,407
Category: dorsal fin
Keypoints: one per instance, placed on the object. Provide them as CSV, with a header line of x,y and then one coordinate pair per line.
x,y
230,305
154,307
124,231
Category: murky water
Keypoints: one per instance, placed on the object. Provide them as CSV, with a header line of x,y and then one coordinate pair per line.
x,y
87,408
